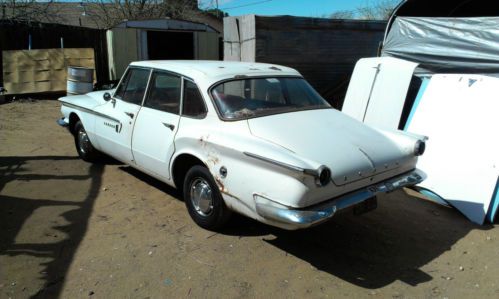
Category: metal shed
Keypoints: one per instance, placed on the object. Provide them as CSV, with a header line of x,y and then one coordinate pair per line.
x,y
324,51
159,39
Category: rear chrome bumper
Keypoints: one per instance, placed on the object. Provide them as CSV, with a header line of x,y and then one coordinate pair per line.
x,y
288,218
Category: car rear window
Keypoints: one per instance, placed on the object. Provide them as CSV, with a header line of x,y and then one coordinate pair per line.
x,y
252,97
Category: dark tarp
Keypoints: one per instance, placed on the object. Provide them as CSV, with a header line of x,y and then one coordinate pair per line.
x,y
446,44
447,8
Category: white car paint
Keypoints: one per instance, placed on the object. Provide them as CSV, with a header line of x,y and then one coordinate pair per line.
x,y
154,152
365,151
272,161
114,135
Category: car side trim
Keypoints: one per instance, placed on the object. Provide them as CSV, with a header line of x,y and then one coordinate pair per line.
x,y
90,111
312,172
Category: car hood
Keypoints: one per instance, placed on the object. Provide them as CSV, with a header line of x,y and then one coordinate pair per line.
x,y
352,150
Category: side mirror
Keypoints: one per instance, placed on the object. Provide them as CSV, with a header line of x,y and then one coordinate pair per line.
x,y
107,96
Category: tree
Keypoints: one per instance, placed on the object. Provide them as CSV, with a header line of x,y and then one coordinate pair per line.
x,y
28,10
380,10
102,13
371,10
211,7
343,14
112,12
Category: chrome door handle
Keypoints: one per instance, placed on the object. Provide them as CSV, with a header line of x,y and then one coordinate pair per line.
x,y
129,114
169,126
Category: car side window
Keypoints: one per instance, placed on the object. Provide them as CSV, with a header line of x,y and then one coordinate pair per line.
x,y
120,90
133,89
164,93
193,104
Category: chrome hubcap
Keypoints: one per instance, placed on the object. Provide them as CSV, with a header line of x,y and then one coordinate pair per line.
x,y
83,141
201,197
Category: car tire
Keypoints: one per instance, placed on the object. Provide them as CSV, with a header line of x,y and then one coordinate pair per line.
x,y
84,147
204,200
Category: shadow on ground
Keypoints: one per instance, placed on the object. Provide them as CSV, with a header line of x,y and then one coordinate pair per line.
x,y
237,226
371,250
376,249
149,180
74,194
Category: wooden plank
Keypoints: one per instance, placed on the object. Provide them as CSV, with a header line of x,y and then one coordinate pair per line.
x,y
43,70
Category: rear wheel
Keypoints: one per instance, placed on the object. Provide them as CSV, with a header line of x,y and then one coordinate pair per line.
x,y
203,199
84,147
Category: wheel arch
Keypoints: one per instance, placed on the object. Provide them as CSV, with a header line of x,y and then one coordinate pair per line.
x,y
181,165
73,119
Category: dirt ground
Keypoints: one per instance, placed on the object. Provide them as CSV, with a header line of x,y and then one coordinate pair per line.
x,y
71,229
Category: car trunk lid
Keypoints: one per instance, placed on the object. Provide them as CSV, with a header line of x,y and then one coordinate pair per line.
x,y
352,150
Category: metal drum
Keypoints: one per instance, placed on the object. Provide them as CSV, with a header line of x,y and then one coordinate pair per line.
x,y
80,80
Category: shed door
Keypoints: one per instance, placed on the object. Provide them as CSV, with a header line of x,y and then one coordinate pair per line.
x,y
170,45
207,46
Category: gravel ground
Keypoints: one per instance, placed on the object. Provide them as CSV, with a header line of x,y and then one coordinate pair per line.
x,y
71,229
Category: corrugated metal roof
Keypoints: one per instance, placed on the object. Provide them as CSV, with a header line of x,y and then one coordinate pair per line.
x,y
166,24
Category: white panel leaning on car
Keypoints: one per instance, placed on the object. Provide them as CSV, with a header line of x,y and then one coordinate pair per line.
x,y
377,91
252,138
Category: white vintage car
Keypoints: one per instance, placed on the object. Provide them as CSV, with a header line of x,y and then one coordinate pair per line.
x,y
252,138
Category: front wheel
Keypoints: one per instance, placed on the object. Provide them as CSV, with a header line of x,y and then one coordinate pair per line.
x,y
84,147
203,199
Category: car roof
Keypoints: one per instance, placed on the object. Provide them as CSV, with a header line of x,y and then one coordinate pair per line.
x,y
212,71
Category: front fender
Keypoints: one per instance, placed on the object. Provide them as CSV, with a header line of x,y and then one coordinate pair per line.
x,y
71,108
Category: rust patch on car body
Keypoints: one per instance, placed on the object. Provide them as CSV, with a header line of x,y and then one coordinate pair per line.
x,y
223,190
212,159
203,140
220,184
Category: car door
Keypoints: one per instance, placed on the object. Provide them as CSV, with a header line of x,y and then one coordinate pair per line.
x,y
114,131
155,127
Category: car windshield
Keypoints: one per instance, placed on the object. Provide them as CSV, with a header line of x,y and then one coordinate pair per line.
x,y
246,98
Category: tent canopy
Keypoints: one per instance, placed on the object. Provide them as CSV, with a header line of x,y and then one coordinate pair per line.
x,y
445,35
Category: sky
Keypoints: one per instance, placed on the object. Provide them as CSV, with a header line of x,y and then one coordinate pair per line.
x,y
309,8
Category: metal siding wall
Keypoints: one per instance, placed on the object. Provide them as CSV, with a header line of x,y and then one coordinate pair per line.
x,y
206,45
125,49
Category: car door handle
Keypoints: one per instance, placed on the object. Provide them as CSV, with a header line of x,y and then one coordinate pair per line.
x,y
169,126
129,114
